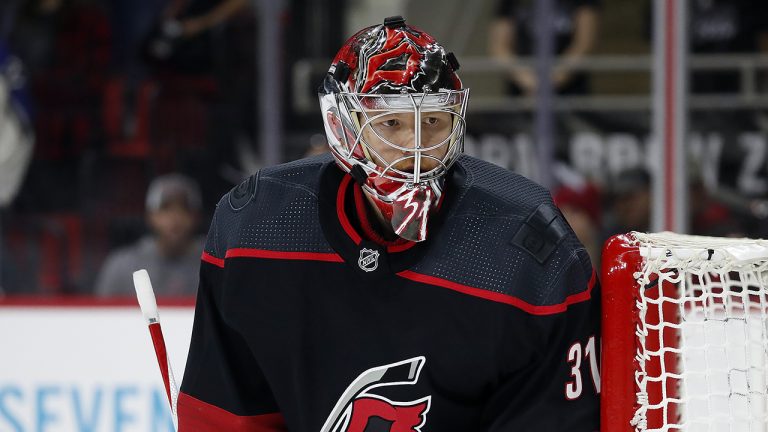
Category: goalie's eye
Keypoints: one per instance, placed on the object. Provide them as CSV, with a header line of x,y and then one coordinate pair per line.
x,y
390,123
431,120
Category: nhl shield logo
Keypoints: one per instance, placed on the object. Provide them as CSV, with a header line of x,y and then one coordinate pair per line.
x,y
369,259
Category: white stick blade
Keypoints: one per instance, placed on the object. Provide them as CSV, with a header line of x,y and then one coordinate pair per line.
x,y
145,295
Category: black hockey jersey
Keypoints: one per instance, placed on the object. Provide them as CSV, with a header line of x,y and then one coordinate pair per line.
x,y
303,324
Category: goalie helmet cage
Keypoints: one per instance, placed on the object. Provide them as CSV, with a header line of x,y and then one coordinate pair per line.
x,y
685,343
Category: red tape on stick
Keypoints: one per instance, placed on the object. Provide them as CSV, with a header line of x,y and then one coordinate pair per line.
x,y
162,357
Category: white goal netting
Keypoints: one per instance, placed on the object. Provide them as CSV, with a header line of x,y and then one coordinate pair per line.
x,y
702,334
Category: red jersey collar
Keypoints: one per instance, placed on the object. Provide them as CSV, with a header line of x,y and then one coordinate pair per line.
x,y
363,217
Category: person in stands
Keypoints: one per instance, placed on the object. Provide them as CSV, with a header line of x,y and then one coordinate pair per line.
x,y
170,253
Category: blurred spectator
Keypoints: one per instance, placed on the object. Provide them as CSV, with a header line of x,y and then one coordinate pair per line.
x,y
17,138
513,34
580,202
721,27
182,40
629,203
7,16
132,20
582,209
710,217
16,146
317,146
66,47
201,54
725,27
171,254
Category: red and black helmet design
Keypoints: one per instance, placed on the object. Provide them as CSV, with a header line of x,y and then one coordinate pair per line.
x,y
394,69
392,58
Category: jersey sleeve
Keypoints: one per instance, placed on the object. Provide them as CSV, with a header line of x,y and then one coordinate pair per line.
x,y
223,387
556,386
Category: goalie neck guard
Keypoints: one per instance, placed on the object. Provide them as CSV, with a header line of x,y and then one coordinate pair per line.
x,y
393,109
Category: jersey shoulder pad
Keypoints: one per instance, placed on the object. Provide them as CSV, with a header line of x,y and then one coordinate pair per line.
x,y
541,232
274,209
242,194
493,190
504,235
302,173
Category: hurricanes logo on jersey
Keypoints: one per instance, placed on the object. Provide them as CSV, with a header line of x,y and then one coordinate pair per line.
x,y
359,410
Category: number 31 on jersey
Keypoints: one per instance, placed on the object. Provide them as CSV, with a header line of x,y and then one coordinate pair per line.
x,y
574,387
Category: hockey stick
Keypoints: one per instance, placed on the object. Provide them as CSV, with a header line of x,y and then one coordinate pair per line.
x,y
148,305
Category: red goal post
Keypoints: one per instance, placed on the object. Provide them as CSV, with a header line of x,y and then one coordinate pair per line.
x,y
685,337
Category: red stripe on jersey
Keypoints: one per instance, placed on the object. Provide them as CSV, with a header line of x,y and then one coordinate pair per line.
x,y
401,247
210,259
261,253
340,211
398,245
504,298
198,416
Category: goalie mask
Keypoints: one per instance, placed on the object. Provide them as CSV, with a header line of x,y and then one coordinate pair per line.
x,y
393,108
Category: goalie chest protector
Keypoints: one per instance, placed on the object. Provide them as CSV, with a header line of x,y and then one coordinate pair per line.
x,y
466,330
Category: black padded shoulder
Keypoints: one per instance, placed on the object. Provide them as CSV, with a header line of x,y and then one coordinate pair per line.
x,y
242,194
264,211
504,190
504,234
541,232
299,173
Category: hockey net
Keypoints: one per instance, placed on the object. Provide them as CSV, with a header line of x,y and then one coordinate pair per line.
x,y
685,337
